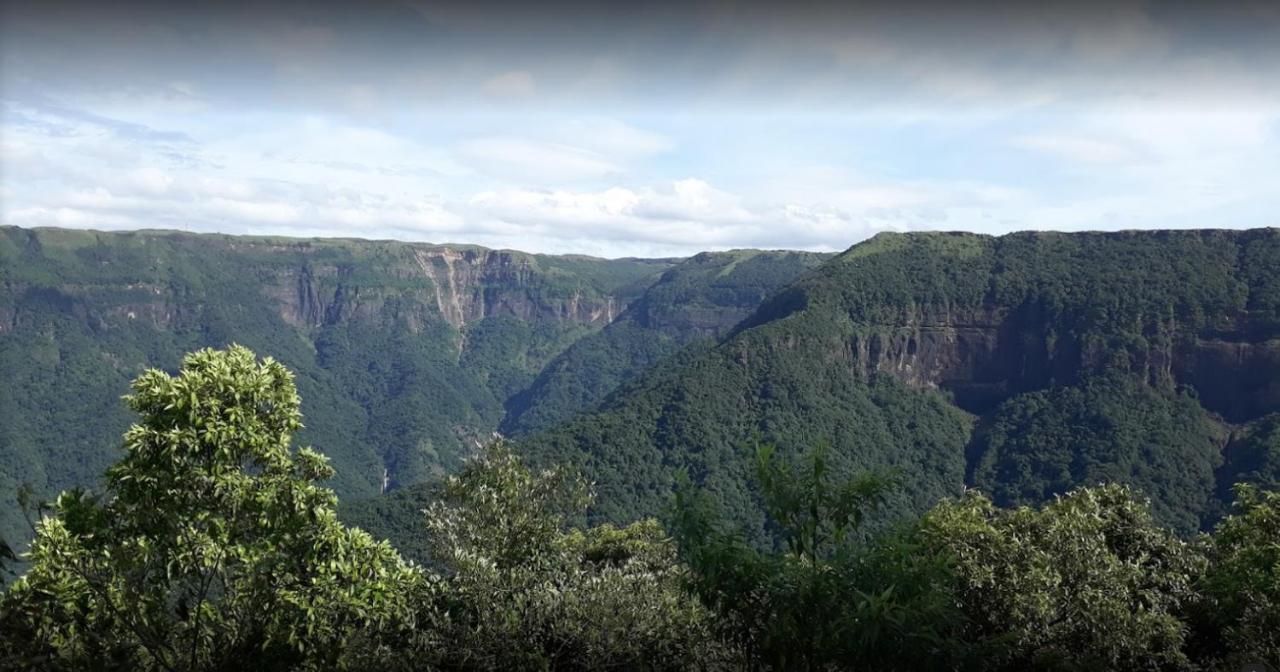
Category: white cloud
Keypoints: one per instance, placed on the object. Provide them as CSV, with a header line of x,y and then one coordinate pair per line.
x,y
691,200
586,182
1170,129
72,171
572,150
691,215
264,212
684,201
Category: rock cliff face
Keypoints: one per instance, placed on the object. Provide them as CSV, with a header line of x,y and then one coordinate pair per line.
x,y
460,287
986,319
987,355
1235,376
147,277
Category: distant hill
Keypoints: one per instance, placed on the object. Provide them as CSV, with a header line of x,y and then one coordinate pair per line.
x,y
689,306
405,353
1022,364
700,298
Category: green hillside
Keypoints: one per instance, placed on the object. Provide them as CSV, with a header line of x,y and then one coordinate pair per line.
x,y
405,353
1025,364
701,298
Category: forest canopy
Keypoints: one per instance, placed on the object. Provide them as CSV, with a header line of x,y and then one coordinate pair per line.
x,y
213,546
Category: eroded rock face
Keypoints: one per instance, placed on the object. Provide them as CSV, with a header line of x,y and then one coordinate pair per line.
x,y
985,356
1239,379
457,286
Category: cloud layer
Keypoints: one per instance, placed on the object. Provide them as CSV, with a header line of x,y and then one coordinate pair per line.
x,y
617,132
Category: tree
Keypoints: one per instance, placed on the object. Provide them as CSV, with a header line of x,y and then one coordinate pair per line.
x,y
1087,582
1241,589
212,545
526,592
831,600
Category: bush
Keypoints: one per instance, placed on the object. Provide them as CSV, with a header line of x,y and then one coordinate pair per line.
x,y
1089,581
525,592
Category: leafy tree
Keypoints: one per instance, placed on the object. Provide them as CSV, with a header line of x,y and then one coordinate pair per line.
x,y
1241,588
212,546
526,592
826,602
1087,582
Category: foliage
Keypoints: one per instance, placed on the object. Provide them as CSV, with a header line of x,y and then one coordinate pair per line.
x,y
1253,456
213,542
1241,588
1029,365
527,593
213,548
396,517
1111,428
702,414
1074,356
1088,582
394,392
826,602
699,298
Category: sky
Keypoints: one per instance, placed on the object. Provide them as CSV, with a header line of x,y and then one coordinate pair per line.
x,y
638,129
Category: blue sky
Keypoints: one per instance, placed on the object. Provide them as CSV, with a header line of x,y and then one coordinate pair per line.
x,y
641,129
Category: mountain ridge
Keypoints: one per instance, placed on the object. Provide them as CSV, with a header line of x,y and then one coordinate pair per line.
x,y
882,326
405,352
952,359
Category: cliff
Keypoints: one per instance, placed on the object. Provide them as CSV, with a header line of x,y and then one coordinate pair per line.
x,y
1192,308
1023,364
405,353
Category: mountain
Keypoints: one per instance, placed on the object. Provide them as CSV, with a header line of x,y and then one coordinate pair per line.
x,y
1022,364
700,298
405,354
692,303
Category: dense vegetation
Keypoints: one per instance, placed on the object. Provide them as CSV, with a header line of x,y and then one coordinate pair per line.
x,y
1109,429
700,298
404,353
1027,364
213,547
211,544
408,355
1253,455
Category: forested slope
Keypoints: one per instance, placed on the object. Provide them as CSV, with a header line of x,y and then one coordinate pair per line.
x,y
408,355
405,353
700,298
1024,364
214,545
